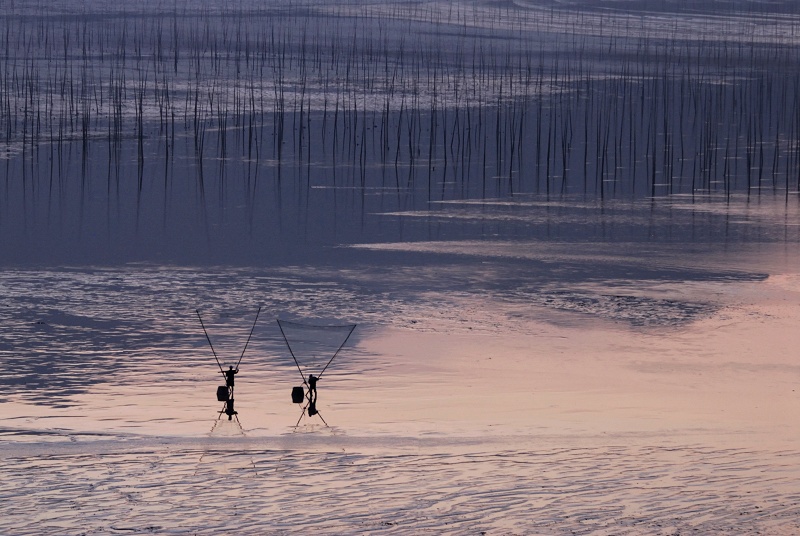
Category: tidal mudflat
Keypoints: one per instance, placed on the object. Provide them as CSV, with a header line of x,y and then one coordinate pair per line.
x,y
568,233
507,386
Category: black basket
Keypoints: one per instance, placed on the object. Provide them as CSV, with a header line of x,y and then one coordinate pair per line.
x,y
298,395
222,393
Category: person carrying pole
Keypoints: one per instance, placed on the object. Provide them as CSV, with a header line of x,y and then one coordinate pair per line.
x,y
229,377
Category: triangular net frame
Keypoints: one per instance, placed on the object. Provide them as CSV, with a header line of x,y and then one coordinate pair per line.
x,y
208,338
227,407
314,347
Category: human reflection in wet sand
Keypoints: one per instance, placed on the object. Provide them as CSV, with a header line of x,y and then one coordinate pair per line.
x,y
222,429
311,398
229,411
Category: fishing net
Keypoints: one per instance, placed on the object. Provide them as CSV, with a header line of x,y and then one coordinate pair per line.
x,y
314,347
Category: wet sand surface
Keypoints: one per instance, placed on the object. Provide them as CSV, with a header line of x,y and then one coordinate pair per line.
x,y
656,405
621,485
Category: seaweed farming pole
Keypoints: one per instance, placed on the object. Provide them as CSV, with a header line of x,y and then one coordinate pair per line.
x,y
209,339
248,338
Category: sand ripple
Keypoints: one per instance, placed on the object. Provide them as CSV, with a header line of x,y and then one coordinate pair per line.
x,y
395,486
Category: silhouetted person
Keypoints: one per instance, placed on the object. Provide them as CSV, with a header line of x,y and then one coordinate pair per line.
x,y
229,374
312,388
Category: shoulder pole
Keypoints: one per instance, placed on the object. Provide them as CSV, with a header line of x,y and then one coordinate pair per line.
x,y
290,351
209,341
337,352
248,338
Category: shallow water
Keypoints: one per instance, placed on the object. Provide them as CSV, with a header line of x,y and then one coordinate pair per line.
x,y
188,135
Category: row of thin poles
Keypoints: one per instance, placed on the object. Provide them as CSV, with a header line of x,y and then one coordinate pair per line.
x,y
468,101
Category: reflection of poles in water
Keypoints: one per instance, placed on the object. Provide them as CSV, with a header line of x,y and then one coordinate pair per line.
x,y
219,422
316,412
